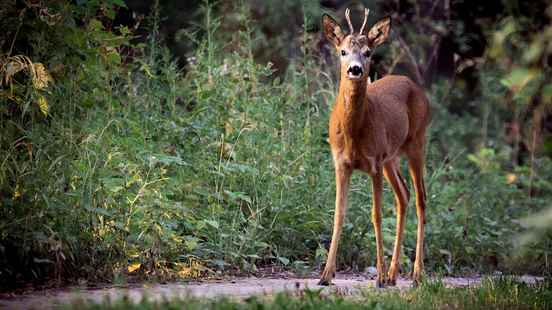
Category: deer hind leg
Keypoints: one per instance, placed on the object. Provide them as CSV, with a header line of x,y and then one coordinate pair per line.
x,y
416,168
402,196
342,177
377,186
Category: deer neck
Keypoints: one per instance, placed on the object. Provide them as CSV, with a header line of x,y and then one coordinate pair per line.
x,y
352,106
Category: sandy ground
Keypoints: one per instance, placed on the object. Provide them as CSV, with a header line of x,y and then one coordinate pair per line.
x,y
236,288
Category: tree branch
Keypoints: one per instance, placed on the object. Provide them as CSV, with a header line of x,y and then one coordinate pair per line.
x,y
408,52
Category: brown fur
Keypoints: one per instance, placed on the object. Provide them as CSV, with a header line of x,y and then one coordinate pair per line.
x,y
371,126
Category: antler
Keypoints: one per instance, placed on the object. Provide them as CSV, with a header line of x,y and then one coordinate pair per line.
x,y
366,12
348,17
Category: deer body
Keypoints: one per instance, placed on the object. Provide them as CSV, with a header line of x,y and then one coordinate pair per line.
x,y
370,123
371,126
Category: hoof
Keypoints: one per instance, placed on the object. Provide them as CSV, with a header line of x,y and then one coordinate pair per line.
x,y
324,282
392,282
380,284
417,279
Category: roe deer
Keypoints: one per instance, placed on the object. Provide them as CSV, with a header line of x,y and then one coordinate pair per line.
x,y
371,125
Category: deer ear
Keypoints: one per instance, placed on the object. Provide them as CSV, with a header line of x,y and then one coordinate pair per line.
x,y
332,30
380,31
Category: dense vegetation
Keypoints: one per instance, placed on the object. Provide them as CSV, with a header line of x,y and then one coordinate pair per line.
x,y
117,158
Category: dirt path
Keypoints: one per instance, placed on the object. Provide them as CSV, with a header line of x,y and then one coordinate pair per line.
x,y
237,288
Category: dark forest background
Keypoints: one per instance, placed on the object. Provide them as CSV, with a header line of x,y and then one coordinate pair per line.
x,y
184,139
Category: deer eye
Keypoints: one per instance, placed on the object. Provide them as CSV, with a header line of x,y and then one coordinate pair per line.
x,y
367,52
343,53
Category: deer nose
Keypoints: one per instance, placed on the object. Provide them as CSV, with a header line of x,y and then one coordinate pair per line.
x,y
355,70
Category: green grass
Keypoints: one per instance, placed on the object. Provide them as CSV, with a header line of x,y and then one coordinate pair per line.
x,y
492,294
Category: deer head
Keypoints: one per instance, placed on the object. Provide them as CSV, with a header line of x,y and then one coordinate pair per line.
x,y
355,50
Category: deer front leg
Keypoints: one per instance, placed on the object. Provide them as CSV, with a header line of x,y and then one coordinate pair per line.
x,y
342,177
377,185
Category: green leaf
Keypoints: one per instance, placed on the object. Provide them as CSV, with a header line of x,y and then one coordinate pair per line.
x,y
533,53
100,211
234,167
212,223
547,93
113,58
321,252
43,105
95,25
518,78
120,226
114,184
120,3
191,243
237,196
283,260
167,160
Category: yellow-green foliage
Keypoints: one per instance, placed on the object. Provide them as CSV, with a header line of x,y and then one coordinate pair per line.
x,y
37,74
